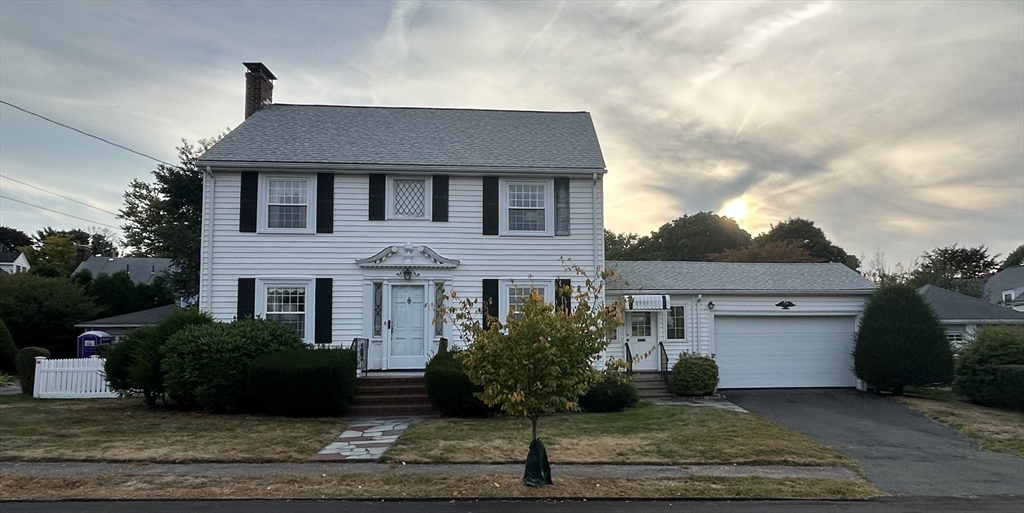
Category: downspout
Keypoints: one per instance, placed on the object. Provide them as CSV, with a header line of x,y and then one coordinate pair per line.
x,y
598,260
209,188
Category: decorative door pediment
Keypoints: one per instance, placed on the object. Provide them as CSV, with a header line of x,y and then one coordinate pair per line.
x,y
409,256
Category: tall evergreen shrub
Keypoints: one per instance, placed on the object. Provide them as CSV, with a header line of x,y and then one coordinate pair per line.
x,y
901,342
995,350
25,361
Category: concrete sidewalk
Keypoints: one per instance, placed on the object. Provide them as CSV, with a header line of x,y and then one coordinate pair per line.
x,y
75,469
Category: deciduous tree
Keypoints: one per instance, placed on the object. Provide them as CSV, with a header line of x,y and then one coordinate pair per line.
x,y
1016,257
12,238
803,232
779,252
42,311
960,269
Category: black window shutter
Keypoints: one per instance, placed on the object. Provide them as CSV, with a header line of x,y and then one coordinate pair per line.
x,y
490,300
322,318
246,298
563,295
490,205
247,202
325,203
561,206
439,202
378,186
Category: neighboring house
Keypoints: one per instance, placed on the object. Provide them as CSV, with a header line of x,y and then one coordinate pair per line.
x,y
14,262
120,325
141,270
767,325
1006,288
352,222
962,315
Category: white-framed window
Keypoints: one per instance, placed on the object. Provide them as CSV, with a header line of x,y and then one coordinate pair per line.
x,y
287,203
955,338
527,207
640,324
676,323
409,198
287,301
516,293
1007,296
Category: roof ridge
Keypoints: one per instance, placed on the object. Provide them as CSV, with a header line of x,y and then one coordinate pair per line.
x,y
393,107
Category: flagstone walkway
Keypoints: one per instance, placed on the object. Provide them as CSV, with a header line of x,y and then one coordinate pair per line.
x,y
365,439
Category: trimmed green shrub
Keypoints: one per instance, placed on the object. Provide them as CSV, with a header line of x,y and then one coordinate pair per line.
x,y
1010,382
146,370
450,390
608,395
303,382
978,366
117,364
694,374
901,342
8,351
205,366
25,361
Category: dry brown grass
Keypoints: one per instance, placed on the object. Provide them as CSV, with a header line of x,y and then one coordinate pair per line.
x,y
645,434
125,430
994,429
378,486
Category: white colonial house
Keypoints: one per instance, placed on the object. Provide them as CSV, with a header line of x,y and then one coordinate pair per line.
x,y
767,325
352,222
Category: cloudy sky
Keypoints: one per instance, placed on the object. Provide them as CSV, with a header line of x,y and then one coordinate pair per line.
x,y
895,126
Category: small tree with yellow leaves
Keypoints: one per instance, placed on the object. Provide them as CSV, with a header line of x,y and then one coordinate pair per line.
x,y
541,358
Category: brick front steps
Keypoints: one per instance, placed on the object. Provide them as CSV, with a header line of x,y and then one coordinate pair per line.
x,y
382,395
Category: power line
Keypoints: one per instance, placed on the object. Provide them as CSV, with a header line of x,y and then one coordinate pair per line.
x,y
58,195
40,116
58,212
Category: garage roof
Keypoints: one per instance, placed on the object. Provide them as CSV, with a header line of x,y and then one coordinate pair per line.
x,y
735,277
949,305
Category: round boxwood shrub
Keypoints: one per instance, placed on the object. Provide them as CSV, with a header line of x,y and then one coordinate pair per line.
x,y
450,390
694,374
303,382
901,342
25,361
609,395
8,351
145,370
205,366
978,367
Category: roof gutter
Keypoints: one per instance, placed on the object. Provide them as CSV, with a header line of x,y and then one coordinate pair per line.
x,y
726,292
394,168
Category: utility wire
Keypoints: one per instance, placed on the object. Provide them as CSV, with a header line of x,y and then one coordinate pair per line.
x,y
58,195
40,116
58,212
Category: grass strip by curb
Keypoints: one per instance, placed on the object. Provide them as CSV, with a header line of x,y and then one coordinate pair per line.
x,y
409,486
994,429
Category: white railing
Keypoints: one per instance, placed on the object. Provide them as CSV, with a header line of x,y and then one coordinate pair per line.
x,y
72,378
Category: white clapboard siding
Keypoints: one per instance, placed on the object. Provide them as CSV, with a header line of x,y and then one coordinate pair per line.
x,y
229,254
72,378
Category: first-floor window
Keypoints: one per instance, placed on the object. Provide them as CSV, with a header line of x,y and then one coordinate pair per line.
x,y
287,304
955,338
640,324
517,295
676,323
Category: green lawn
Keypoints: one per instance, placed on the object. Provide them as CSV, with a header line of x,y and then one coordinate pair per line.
x,y
994,429
126,430
643,434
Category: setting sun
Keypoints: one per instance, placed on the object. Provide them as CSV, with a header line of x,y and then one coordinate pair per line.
x,y
736,209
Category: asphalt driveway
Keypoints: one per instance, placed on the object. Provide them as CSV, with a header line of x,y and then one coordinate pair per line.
x,y
902,451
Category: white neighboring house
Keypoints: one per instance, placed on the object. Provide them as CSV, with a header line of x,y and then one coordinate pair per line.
x,y
351,222
14,262
768,325
962,315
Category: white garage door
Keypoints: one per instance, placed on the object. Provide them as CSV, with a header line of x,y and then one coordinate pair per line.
x,y
784,352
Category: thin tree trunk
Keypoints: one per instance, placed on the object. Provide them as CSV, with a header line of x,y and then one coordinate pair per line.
x,y
533,425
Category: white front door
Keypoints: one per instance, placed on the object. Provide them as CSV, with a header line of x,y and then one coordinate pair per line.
x,y
408,347
642,337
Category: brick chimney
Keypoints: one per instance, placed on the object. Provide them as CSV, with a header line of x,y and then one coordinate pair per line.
x,y
259,91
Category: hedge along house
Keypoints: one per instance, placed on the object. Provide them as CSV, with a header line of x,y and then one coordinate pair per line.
x,y
352,222
768,325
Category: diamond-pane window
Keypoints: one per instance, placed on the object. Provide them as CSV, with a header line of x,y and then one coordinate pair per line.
x,y
287,203
288,305
410,198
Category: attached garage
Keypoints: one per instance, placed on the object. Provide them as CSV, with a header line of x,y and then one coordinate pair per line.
x,y
784,352
768,325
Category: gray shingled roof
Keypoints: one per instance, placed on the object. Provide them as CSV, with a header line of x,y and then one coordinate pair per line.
x,y
9,256
1010,278
392,137
141,270
133,320
949,305
735,277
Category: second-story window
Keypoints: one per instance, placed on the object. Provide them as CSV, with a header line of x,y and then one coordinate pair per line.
x,y
409,198
527,207
287,203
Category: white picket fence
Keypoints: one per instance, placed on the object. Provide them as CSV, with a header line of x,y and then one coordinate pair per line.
x,y
71,378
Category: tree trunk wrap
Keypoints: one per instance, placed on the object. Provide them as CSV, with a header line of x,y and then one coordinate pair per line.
x,y
538,469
